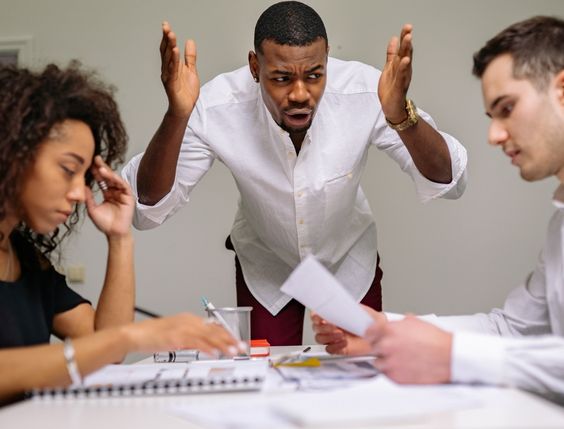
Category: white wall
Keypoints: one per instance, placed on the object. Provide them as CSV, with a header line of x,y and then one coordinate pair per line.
x,y
444,257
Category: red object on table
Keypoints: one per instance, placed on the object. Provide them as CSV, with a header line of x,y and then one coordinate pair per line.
x,y
260,348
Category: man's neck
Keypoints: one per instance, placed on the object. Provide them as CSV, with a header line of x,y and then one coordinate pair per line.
x,y
297,139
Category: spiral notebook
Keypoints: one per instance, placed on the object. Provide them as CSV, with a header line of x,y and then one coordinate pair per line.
x,y
165,379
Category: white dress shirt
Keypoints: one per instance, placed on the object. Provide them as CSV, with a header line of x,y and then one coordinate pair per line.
x,y
292,205
531,353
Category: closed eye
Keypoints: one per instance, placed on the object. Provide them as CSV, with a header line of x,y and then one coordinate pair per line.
x,y
69,172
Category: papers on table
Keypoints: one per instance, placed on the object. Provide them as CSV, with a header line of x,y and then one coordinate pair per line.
x,y
317,289
238,413
377,401
372,403
115,375
330,372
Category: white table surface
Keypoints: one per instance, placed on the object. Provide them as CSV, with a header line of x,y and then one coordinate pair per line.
x,y
500,408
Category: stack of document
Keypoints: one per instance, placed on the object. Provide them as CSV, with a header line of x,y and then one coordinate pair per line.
x,y
322,371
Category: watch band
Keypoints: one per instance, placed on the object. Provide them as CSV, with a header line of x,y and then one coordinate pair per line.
x,y
412,117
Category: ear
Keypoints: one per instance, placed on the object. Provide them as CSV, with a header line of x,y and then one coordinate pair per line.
x,y
254,66
559,86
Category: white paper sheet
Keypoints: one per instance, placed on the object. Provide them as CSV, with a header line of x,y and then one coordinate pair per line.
x,y
316,288
238,413
376,403
379,401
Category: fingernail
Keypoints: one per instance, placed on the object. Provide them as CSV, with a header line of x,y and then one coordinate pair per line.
x,y
232,350
243,346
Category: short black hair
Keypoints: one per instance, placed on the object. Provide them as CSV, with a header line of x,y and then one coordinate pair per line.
x,y
289,23
536,46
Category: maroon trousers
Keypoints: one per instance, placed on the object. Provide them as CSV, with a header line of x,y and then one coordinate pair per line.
x,y
286,328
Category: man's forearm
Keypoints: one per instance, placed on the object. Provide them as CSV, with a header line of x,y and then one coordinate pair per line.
x,y
157,168
429,151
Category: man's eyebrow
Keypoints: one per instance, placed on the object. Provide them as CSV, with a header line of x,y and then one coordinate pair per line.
x,y
282,72
497,101
288,73
315,68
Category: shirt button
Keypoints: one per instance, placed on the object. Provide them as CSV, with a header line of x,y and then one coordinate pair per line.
x,y
349,175
301,221
299,194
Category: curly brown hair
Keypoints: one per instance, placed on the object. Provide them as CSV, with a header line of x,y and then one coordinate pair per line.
x,y
31,104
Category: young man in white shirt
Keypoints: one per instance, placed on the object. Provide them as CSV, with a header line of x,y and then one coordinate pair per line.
x,y
521,345
294,128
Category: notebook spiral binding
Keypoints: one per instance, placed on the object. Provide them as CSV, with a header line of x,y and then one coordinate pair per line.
x,y
196,385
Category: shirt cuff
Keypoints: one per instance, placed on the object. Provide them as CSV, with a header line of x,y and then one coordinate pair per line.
x,y
394,317
146,216
428,190
477,358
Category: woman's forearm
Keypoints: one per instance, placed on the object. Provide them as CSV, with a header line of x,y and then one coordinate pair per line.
x,y
117,299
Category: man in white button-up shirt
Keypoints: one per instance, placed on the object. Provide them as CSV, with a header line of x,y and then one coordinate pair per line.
x,y
522,345
294,128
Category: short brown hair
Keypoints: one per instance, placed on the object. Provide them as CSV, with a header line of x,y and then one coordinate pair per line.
x,y
536,46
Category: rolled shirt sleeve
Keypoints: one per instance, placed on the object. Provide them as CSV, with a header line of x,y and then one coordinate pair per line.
x,y
147,217
387,140
194,161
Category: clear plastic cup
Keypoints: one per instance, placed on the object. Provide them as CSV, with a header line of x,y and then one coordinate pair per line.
x,y
239,321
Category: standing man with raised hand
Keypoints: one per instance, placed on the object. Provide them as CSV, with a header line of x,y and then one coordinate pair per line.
x,y
522,344
294,128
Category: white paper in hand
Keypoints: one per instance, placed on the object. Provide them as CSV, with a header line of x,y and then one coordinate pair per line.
x,y
317,289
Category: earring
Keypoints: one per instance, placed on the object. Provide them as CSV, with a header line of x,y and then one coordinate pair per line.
x,y
256,79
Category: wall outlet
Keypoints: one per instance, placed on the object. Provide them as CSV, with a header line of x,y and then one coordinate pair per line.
x,y
75,273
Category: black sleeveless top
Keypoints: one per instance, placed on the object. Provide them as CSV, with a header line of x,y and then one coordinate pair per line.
x,y
28,305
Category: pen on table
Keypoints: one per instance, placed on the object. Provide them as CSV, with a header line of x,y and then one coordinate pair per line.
x,y
177,356
291,355
210,307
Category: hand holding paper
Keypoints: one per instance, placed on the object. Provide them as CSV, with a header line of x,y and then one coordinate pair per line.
x,y
317,289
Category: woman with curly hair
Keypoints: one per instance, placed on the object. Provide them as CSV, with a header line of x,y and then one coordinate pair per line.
x,y
60,133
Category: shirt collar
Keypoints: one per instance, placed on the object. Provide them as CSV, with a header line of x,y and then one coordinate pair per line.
x,y
558,197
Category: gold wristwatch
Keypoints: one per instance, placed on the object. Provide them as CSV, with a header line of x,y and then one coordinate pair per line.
x,y
412,117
